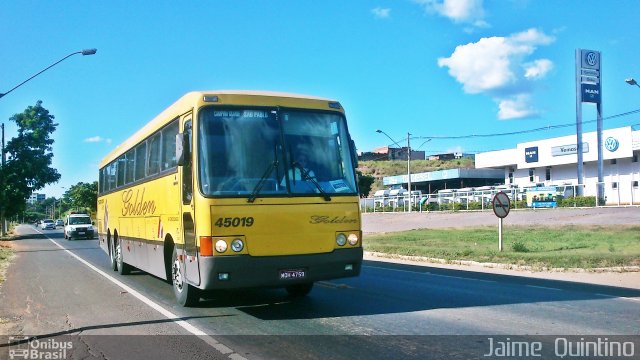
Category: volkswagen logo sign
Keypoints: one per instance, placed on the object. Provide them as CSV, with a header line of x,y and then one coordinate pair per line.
x,y
591,58
611,144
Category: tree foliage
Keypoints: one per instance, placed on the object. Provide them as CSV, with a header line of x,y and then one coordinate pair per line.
x,y
364,183
29,156
82,196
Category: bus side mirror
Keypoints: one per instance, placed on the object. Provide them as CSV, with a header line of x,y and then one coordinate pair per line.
x,y
179,149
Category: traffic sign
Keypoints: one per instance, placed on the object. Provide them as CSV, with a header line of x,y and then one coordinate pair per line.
x,y
501,205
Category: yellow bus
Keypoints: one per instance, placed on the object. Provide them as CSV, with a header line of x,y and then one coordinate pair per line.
x,y
234,189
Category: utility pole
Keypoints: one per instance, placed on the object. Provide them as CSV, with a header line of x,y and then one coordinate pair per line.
x,y
409,168
2,188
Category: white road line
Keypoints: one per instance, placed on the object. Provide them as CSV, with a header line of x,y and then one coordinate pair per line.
x,y
619,297
168,314
544,287
430,274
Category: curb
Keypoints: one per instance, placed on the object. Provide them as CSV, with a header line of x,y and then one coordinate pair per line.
x,y
616,269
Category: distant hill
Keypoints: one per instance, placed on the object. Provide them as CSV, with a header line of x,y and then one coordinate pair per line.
x,y
380,169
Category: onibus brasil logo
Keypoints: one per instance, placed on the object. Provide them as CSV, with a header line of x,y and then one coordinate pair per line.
x,y
34,348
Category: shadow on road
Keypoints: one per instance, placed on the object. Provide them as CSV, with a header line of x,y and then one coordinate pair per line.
x,y
419,289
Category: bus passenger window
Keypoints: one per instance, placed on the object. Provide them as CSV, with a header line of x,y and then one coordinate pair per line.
x,y
131,168
169,146
141,156
154,155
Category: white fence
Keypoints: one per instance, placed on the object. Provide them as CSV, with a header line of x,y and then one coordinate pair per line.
x,y
613,194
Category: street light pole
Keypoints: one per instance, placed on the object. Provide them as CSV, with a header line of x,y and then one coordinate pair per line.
x,y
632,81
83,52
2,209
409,168
408,160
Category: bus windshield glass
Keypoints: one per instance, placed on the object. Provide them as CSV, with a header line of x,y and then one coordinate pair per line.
x,y
269,152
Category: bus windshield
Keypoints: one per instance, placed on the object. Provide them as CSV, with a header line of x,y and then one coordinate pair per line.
x,y
273,152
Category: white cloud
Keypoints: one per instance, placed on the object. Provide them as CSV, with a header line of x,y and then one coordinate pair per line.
x,y
381,13
516,107
96,139
498,66
537,69
459,11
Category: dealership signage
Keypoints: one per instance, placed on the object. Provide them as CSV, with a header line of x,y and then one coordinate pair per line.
x,y
531,154
568,149
590,76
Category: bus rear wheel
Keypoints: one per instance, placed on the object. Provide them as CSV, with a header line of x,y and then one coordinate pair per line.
x,y
299,290
186,295
123,268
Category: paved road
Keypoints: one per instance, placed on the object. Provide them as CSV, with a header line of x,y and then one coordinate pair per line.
x,y
52,290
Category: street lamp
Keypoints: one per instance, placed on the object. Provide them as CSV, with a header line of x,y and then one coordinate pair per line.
x,y
632,81
83,52
408,161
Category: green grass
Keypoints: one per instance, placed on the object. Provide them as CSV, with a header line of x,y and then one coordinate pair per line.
x,y
540,247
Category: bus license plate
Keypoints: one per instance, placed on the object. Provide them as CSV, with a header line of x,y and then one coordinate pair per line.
x,y
292,274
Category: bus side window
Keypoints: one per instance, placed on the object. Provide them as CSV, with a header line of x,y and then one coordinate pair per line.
x,y
169,146
141,155
154,155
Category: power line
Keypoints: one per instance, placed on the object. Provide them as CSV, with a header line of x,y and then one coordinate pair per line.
x,y
545,128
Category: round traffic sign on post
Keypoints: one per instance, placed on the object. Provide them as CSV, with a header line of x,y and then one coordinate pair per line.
x,y
501,205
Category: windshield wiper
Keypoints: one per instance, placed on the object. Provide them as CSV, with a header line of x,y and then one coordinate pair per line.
x,y
306,176
263,179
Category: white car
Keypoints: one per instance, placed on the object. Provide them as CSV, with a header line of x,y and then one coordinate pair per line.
x,y
78,226
48,224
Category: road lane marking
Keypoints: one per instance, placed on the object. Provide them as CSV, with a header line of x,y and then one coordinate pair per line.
x,y
431,274
636,299
544,287
224,350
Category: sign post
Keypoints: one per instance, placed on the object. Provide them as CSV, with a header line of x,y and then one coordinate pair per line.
x,y
501,206
589,90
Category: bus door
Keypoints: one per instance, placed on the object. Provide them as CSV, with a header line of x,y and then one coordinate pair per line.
x,y
190,253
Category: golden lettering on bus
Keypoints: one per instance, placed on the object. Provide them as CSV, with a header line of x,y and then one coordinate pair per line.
x,y
318,219
135,204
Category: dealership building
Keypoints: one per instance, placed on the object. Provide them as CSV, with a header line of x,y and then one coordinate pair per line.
x,y
553,162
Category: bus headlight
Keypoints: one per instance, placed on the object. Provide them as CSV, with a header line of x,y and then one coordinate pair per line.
x,y
341,239
353,239
221,246
237,245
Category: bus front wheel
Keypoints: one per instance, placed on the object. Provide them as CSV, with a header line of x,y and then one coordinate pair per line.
x,y
186,295
299,290
112,255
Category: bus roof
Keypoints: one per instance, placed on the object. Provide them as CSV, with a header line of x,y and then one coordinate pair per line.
x,y
194,99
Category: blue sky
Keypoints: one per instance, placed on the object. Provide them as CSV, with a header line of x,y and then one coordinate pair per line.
x,y
428,67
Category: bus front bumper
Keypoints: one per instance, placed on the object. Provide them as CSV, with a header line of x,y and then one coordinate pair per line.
x,y
244,271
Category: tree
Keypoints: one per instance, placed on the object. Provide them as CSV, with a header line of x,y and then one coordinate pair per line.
x,y
364,183
82,196
29,156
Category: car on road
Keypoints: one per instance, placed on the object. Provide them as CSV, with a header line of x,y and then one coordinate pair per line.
x,y
48,224
59,222
78,226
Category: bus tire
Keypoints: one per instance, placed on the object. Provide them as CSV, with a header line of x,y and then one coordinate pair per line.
x,y
112,255
186,295
299,290
123,268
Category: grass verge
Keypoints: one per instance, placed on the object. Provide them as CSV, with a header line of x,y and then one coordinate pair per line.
x,y
538,247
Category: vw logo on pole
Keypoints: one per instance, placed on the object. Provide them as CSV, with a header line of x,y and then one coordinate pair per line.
x,y
611,144
591,58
